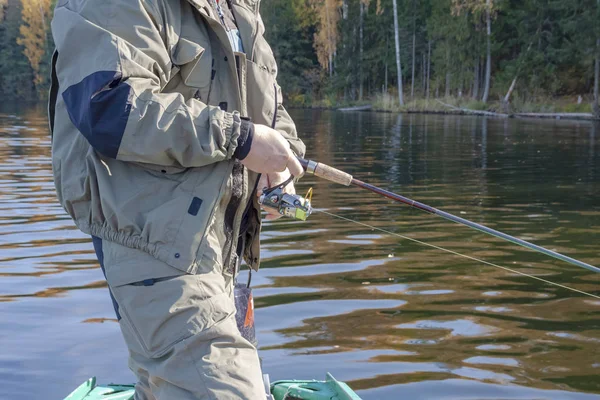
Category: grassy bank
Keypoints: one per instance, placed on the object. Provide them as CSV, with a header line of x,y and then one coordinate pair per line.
x,y
390,103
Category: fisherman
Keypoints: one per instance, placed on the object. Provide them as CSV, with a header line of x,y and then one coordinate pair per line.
x,y
164,113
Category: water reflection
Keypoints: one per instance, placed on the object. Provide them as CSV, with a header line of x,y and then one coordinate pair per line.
x,y
391,316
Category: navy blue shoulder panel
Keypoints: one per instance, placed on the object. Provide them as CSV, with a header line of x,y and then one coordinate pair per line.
x,y
99,107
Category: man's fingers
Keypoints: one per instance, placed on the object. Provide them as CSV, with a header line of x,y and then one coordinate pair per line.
x,y
270,153
276,178
290,188
294,166
273,217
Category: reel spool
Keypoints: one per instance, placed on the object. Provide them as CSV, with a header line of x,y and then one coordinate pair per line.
x,y
288,205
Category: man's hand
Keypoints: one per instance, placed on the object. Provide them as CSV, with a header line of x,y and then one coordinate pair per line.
x,y
271,153
274,179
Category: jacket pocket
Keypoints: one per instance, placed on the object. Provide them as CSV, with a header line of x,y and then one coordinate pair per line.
x,y
263,56
193,211
193,56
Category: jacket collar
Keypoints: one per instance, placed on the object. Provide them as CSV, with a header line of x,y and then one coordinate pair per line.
x,y
241,8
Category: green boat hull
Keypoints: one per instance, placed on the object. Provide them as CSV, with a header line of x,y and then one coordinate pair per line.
x,y
330,389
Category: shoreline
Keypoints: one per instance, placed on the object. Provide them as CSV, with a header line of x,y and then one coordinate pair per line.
x,y
555,110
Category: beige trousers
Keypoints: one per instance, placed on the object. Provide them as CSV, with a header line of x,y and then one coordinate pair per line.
x,y
180,329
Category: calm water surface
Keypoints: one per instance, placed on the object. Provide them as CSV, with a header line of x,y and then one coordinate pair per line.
x,y
392,317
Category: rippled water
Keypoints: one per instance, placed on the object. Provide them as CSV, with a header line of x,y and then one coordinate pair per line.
x,y
392,317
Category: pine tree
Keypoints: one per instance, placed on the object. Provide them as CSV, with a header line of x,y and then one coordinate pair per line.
x,y
290,30
398,60
326,37
487,9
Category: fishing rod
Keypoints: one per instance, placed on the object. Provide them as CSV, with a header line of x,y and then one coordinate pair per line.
x,y
335,175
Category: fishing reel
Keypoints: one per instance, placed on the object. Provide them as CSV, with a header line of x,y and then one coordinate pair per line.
x,y
288,205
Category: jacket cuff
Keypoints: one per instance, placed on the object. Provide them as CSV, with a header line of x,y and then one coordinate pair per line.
x,y
244,142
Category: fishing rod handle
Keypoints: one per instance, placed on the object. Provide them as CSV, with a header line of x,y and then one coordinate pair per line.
x,y
326,172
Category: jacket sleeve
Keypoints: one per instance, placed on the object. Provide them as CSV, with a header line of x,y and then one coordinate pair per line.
x,y
285,125
113,62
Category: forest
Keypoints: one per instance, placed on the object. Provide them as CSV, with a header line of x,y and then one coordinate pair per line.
x,y
485,54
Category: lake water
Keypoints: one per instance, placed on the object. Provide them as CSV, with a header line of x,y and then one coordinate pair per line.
x,y
393,318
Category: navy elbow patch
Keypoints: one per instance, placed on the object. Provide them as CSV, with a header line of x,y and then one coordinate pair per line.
x,y
195,206
99,107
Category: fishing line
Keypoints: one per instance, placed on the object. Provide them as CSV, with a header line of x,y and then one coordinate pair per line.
x,y
461,255
343,178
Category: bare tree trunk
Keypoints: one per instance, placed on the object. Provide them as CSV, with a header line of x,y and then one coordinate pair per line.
x,y
43,18
447,73
385,86
510,90
334,60
597,69
476,83
352,66
506,99
423,74
428,67
488,67
412,85
360,62
387,52
481,78
398,63
596,103
329,39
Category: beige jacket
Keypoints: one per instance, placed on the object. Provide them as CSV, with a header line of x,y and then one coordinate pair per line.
x,y
147,109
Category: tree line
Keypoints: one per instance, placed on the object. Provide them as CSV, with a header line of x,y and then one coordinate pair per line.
x,y
488,50
333,51
25,48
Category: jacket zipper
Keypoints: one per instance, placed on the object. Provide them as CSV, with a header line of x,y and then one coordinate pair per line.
x,y
233,257
220,14
230,250
232,216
